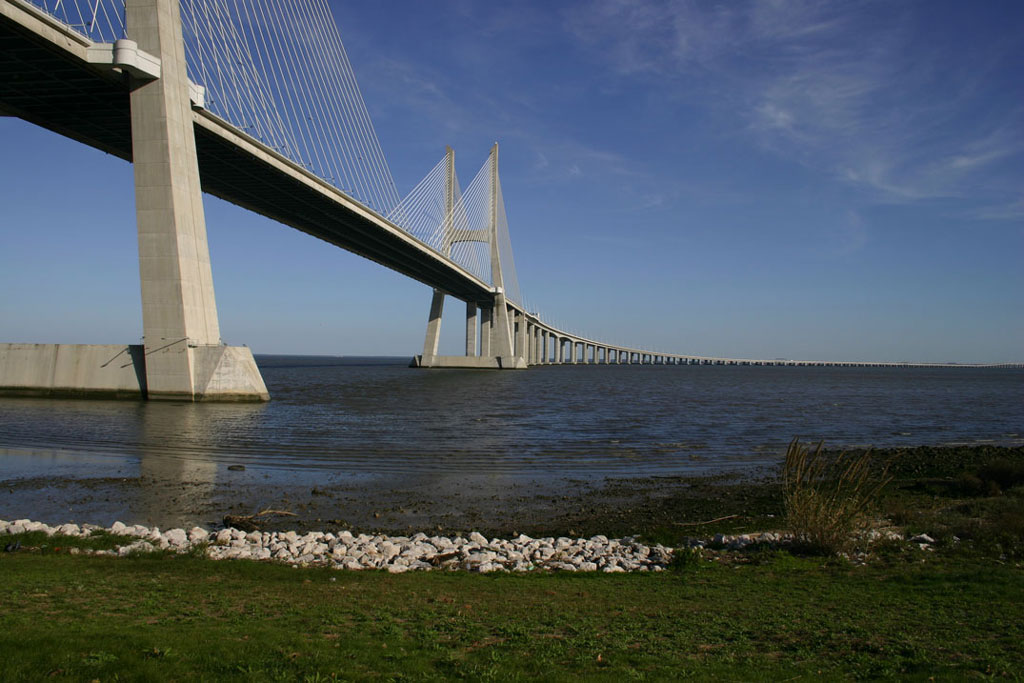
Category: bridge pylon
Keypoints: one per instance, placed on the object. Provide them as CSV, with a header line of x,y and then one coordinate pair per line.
x,y
182,356
185,358
497,348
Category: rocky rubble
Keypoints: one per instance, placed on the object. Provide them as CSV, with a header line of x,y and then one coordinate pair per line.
x,y
395,554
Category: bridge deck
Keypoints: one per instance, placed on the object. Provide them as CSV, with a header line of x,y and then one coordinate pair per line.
x,y
44,79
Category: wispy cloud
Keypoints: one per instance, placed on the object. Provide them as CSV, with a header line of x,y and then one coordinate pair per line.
x,y
831,85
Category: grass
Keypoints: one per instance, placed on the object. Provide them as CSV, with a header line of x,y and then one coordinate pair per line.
x,y
982,521
781,616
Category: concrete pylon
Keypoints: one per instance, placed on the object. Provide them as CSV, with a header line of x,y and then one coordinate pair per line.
x,y
433,338
471,328
185,358
497,344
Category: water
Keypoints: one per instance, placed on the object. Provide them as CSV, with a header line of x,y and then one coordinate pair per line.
x,y
378,419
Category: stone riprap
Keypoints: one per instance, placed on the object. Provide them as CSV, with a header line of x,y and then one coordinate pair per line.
x,y
395,554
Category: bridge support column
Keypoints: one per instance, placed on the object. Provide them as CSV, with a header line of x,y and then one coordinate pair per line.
x,y
496,339
471,328
486,318
521,350
433,337
184,355
502,342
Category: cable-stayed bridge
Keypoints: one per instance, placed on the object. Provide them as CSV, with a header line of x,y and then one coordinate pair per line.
x,y
255,101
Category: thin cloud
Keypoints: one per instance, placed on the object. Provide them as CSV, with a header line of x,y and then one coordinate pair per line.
x,y
831,86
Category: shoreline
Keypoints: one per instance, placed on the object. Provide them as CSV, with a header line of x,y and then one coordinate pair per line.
x,y
653,507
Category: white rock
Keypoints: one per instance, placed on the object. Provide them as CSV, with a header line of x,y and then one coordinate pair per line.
x,y
176,537
118,528
137,546
198,535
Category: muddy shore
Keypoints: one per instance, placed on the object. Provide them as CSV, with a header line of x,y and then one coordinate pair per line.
x,y
657,507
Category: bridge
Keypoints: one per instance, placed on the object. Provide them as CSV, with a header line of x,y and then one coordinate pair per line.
x,y
256,103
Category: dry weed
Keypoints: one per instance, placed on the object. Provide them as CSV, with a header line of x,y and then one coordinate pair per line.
x,y
827,497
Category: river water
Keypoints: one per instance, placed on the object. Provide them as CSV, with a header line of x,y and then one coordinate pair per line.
x,y
376,418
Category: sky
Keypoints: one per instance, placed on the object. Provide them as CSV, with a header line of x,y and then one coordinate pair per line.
x,y
775,179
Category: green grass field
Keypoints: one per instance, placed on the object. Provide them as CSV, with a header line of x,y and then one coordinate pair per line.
x,y
770,616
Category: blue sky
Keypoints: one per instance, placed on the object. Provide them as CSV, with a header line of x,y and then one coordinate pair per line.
x,y
773,179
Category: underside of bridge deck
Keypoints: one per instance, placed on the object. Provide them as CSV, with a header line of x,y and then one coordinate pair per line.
x,y
54,90
42,83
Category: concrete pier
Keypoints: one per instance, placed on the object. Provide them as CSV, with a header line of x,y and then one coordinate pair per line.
x,y
181,333
110,371
182,356
504,341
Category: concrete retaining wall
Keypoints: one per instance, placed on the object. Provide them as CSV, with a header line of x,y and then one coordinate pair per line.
x,y
220,373
72,370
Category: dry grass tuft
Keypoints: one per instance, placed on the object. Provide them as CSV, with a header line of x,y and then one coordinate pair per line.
x,y
827,497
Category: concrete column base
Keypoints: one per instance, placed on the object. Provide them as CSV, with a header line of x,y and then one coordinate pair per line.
x,y
221,373
479,362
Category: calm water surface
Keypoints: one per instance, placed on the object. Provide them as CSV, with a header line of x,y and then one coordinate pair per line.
x,y
378,418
